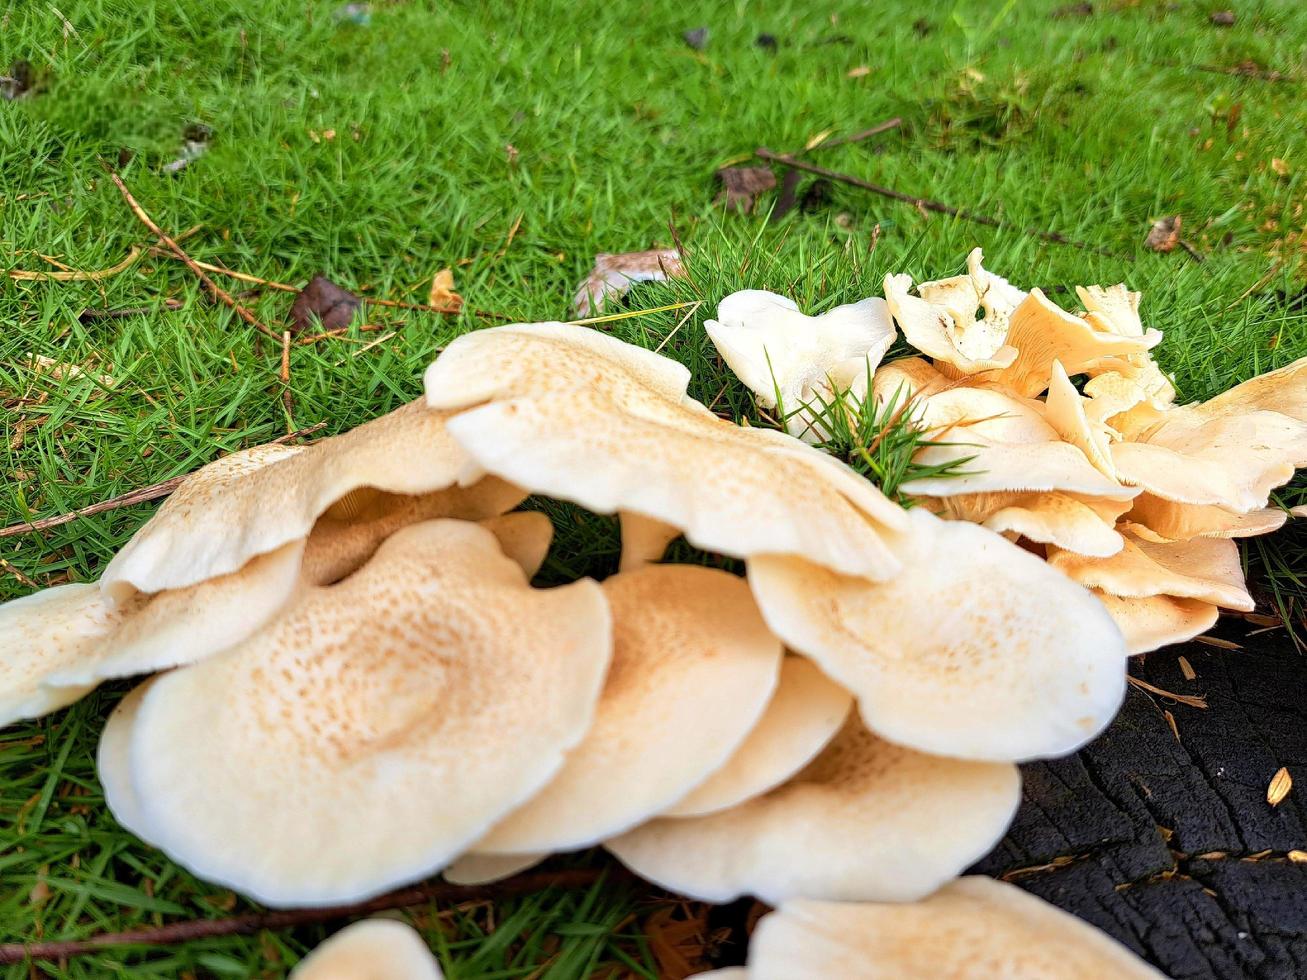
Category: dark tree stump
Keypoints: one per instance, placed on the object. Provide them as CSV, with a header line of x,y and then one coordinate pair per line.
x,y
1163,837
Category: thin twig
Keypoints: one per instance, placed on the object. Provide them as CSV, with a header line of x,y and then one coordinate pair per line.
x,y
92,313
242,925
923,203
138,496
875,130
1189,699
1245,71
76,275
220,293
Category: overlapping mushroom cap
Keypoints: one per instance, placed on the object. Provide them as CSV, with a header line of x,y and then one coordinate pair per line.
x,y
362,713
255,501
372,949
587,418
866,820
972,929
984,671
693,669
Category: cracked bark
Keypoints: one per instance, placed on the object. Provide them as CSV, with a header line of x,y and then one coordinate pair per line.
x,y
1169,845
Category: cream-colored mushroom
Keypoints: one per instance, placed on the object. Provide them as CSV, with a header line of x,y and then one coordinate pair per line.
x,y
1283,391
1166,520
44,634
804,714
971,929
977,291
524,536
644,540
1080,523
1064,410
372,949
906,378
977,649
113,760
1231,461
1042,332
377,712
584,417
1207,569
483,869
957,346
866,820
1000,443
1122,406
1151,622
778,352
693,669
248,504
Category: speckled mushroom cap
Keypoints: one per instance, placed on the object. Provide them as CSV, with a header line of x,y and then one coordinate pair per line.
x,y
971,929
804,714
952,656
584,417
693,669
373,949
45,634
362,712
253,502
867,820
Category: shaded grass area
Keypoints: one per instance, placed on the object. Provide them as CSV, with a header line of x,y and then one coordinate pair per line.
x,y
512,143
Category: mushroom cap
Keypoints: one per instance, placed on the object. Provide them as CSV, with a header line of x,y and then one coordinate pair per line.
x,y
586,418
1207,569
1085,525
1151,622
43,635
1064,410
960,296
1007,445
866,820
804,714
971,929
1125,402
524,536
1231,461
726,973
484,869
693,669
644,540
1007,659
1283,391
1112,309
773,347
1042,332
1170,521
314,763
906,378
113,760
183,626
372,949
255,501
931,329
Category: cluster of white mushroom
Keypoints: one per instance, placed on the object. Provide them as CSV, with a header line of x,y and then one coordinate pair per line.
x,y
1123,491
971,929
362,688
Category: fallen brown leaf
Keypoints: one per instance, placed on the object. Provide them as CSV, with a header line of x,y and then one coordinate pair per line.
x,y
1165,234
1279,788
323,300
742,185
612,276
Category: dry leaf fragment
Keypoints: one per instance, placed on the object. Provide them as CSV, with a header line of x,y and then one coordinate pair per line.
x,y
742,185
613,274
1280,166
1279,788
1223,18
1165,234
322,300
442,292
1298,857
862,71
1187,669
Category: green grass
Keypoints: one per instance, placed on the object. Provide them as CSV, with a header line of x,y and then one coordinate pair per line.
x,y
1091,127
